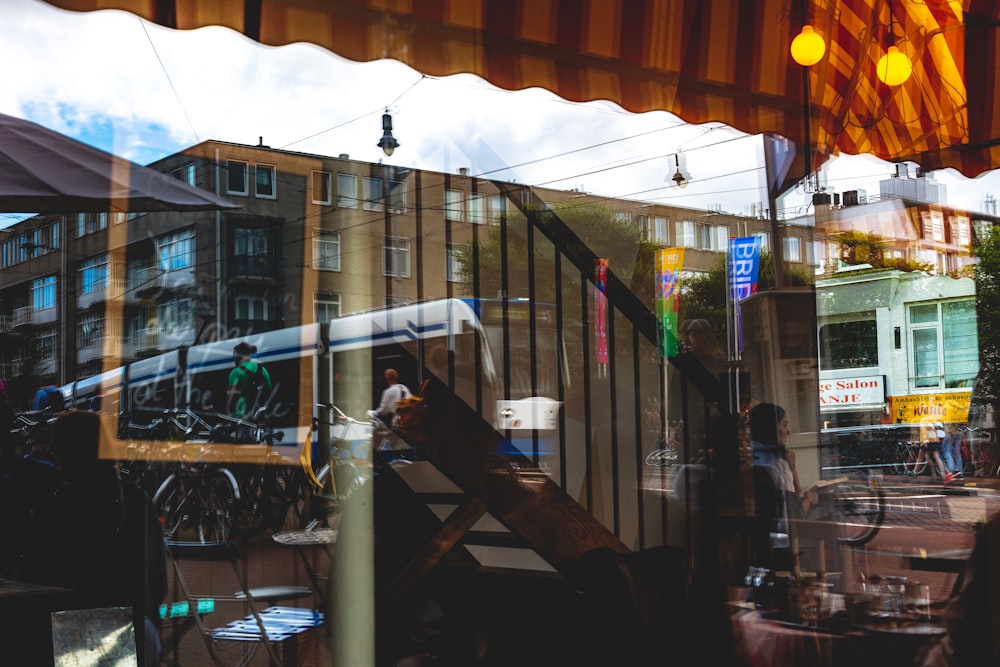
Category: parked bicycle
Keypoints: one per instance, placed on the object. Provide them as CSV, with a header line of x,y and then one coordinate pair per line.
x,y
348,467
204,502
855,501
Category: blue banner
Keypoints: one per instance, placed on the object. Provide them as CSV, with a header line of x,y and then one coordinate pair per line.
x,y
743,265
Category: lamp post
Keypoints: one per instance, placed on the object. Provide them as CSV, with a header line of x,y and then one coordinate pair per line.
x,y
388,144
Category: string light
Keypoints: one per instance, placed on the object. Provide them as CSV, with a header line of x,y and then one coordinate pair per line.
x,y
808,47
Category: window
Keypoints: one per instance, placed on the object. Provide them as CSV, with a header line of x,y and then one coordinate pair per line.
x,y
454,265
47,345
90,223
90,330
176,251
960,231
252,252
371,194
721,238
622,217
945,344
327,306
396,257
397,196
933,222
684,236
658,232
43,293
706,238
264,179
326,251
792,248
453,205
252,307
347,191
477,209
817,252
844,345
94,274
250,242
498,208
322,187
185,174
237,173
765,239
173,316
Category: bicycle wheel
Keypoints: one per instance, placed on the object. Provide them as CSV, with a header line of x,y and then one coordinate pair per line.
x,y
175,507
219,505
914,464
859,509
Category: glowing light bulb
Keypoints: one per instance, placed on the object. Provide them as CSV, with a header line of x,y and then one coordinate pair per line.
x,y
808,47
894,67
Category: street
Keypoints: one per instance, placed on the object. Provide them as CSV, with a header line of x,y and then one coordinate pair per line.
x,y
922,520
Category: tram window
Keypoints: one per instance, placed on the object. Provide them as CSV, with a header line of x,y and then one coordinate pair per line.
x,y
848,345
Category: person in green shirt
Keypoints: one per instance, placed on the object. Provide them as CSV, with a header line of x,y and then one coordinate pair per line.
x,y
247,382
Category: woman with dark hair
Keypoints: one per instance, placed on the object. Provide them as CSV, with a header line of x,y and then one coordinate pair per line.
x,y
776,482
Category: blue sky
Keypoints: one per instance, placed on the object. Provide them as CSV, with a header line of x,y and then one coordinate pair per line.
x,y
143,92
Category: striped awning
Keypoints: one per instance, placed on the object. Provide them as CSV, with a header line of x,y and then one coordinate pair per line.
x,y
703,60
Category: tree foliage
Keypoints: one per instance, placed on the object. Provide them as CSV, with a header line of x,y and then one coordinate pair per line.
x,y
986,248
704,295
619,241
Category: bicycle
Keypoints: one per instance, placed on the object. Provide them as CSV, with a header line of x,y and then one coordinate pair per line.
x,y
198,502
857,505
978,454
201,501
911,457
345,471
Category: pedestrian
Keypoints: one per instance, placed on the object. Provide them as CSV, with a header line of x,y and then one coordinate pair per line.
x,y
777,492
932,436
248,382
394,392
95,534
951,450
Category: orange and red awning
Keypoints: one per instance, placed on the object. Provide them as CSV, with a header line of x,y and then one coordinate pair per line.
x,y
703,60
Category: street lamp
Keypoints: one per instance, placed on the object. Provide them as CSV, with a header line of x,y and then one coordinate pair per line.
x,y
388,142
678,177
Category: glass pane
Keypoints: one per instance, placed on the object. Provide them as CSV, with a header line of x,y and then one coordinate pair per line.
x,y
925,358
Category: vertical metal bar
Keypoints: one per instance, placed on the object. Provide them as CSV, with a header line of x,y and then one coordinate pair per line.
x,y
588,439
529,233
561,395
637,415
612,384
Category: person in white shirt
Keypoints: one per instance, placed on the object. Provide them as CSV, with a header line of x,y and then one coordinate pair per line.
x,y
393,394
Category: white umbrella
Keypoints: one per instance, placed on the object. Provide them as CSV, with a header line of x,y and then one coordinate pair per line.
x,y
43,171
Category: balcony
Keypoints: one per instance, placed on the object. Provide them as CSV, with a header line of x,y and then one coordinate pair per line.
x,y
114,347
28,316
255,266
151,279
146,341
114,289
155,339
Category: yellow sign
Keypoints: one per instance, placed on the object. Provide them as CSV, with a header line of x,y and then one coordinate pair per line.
x,y
950,407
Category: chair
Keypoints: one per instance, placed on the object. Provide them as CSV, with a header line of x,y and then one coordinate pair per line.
x,y
271,626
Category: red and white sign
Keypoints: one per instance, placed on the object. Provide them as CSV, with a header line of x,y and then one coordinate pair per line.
x,y
867,391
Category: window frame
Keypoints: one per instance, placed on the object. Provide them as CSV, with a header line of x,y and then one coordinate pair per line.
x,y
347,181
268,169
245,165
399,247
321,239
325,179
